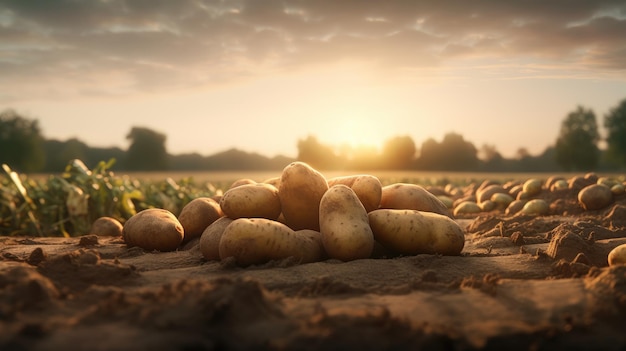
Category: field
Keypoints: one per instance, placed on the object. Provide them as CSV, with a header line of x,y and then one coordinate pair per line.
x,y
522,282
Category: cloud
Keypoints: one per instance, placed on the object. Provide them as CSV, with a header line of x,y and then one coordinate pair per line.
x,y
160,44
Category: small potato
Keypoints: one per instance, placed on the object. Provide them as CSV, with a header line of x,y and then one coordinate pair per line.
x,y
466,207
514,207
198,214
502,200
366,187
259,200
210,239
300,191
154,229
313,250
415,232
106,226
617,255
259,240
595,197
411,197
345,229
536,207
486,193
532,186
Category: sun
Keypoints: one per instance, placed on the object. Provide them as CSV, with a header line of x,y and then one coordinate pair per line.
x,y
354,133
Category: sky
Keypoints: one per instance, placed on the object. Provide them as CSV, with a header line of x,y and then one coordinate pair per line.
x,y
260,75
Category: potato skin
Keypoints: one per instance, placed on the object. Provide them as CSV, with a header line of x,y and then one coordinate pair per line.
x,y
210,239
198,214
300,191
366,187
259,240
344,225
259,200
406,196
153,229
617,255
106,226
416,232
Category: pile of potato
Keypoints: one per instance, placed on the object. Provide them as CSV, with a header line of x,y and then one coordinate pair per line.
x,y
303,215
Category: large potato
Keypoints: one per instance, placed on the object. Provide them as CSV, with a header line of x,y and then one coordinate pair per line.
x,y
153,229
260,240
198,214
366,187
259,200
405,196
211,236
300,190
345,229
416,232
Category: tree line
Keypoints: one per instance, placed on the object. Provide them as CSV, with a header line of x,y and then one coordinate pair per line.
x,y
576,148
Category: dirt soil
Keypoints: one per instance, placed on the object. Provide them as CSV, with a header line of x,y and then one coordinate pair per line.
x,y
521,283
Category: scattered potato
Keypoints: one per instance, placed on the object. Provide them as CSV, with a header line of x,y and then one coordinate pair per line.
x,y
447,201
416,232
344,225
198,214
487,192
487,206
153,229
617,255
106,226
411,197
300,190
514,207
211,236
466,207
501,200
367,187
259,240
532,187
259,200
535,207
595,197
618,189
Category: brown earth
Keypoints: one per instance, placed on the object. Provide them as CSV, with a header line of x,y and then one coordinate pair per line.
x,y
521,283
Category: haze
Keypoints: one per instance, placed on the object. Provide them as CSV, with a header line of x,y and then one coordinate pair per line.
x,y
260,75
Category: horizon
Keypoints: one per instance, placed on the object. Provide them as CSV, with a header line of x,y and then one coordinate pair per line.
x,y
260,76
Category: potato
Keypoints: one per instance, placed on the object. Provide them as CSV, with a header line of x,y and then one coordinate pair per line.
x,y
153,229
595,197
259,240
411,197
314,249
467,207
198,214
300,190
366,187
502,200
242,181
536,207
487,192
345,229
617,255
211,236
514,207
259,200
416,232
532,186
106,226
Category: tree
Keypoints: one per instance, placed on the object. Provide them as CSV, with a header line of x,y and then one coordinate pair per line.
x,y
615,123
398,152
318,155
577,144
453,154
21,143
147,150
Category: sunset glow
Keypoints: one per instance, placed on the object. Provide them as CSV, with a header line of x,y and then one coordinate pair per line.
x,y
259,76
